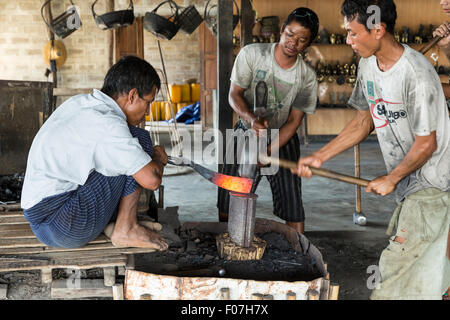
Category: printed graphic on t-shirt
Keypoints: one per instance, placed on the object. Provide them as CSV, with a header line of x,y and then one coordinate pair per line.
x,y
282,89
261,75
384,112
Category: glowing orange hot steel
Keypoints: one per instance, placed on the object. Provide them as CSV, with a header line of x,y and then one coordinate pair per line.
x,y
236,184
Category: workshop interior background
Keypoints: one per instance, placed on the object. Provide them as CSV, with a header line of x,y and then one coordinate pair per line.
x,y
192,59
189,56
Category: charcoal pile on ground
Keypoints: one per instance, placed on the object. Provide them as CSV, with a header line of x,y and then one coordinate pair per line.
x,y
11,187
198,257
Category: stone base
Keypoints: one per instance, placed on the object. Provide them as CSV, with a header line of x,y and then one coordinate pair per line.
x,y
229,250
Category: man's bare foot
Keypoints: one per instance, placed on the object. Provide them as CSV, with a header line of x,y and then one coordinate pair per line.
x,y
139,237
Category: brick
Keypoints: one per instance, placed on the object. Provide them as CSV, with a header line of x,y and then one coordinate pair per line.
x,y
87,48
20,40
33,52
28,6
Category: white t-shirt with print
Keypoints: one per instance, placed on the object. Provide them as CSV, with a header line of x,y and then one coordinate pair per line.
x,y
295,87
407,101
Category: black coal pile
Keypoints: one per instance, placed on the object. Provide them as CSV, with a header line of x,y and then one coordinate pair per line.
x,y
199,258
11,187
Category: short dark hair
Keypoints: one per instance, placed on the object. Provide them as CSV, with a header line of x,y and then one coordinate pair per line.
x,y
307,18
352,9
128,73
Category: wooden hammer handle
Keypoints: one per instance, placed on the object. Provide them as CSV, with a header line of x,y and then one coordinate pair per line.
x,y
430,44
317,171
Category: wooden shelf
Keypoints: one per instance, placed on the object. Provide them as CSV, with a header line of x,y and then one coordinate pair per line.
x,y
329,121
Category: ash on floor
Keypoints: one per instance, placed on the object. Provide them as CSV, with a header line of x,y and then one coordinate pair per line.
x,y
198,256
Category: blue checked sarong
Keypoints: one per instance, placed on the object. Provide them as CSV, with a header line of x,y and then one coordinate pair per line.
x,y
72,219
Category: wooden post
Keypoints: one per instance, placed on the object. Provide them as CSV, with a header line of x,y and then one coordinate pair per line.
x,y
224,65
109,276
130,262
305,129
161,197
313,295
118,292
121,270
109,8
225,293
229,250
327,274
291,296
324,289
3,291
48,12
257,296
84,289
334,291
247,22
358,174
46,276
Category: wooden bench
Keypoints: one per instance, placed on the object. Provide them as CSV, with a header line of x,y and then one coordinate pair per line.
x,y
20,250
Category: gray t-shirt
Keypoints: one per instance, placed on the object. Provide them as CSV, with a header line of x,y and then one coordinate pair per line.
x,y
407,101
295,87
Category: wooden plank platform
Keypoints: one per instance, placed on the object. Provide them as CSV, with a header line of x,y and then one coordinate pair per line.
x,y
21,250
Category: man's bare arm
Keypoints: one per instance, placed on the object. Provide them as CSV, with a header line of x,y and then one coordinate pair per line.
x,y
288,130
356,131
239,104
420,152
150,177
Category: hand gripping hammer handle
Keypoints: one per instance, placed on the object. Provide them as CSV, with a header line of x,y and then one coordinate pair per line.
x,y
317,171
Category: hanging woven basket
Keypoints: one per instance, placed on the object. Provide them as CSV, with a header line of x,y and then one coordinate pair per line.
x,y
160,27
189,19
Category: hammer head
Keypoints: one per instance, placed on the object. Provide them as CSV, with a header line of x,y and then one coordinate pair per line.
x,y
359,219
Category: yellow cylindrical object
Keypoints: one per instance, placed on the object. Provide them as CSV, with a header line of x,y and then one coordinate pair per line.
x,y
162,110
185,92
166,110
182,105
155,111
195,92
175,93
169,111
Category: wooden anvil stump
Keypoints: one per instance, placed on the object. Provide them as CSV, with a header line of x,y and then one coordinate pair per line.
x,y
229,250
240,243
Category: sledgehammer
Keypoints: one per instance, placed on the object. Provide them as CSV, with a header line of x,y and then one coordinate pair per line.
x,y
358,217
316,171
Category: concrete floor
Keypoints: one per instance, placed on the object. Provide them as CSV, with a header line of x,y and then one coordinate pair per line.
x,y
329,205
